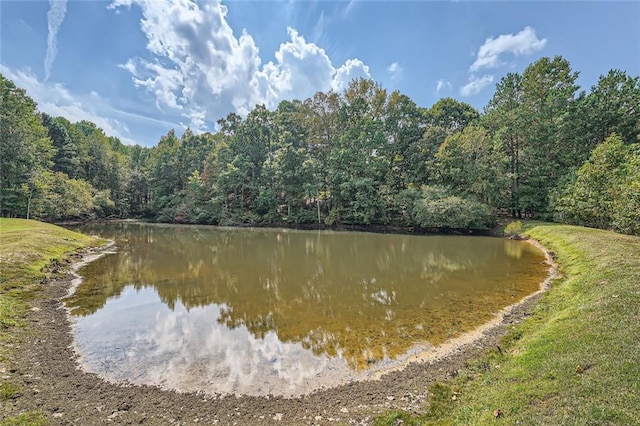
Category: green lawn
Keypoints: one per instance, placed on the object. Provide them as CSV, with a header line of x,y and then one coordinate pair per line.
x,y
26,248
576,361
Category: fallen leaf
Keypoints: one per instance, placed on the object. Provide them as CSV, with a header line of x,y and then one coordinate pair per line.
x,y
497,413
579,369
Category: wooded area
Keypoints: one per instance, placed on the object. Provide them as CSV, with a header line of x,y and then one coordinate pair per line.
x,y
541,148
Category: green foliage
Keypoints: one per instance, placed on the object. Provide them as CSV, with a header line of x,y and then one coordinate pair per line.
x,y
103,202
66,159
402,206
58,197
548,89
438,209
530,118
404,128
513,229
470,164
613,108
505,120
604,192
626,204
356,157
24,146
364,205
452,115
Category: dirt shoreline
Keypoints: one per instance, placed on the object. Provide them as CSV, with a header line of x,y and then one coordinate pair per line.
x,y
46,370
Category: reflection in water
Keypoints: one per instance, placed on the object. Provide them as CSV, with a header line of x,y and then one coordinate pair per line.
x,y
514,248
288,307
142,341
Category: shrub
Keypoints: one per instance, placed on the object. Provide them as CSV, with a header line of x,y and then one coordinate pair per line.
x,y
513,229
438,209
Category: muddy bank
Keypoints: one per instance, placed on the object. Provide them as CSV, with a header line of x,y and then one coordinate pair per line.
x,y
45,368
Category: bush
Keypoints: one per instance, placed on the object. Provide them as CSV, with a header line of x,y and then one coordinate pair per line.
x,y
437,209
57,197
605,191
513,229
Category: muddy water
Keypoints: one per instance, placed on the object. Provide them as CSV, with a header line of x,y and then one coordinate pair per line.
x,y
272,311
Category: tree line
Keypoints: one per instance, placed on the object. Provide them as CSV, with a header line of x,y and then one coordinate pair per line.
x,y
540,148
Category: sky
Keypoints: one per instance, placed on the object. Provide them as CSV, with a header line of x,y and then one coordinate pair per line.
x,y
138,68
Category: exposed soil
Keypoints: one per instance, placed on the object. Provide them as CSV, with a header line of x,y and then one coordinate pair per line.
x,y
46,370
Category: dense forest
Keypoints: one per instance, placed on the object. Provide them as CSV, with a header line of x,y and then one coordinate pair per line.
x,y
540,148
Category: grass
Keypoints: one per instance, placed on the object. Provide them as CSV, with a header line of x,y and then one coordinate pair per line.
x,y
25,419
8,391
576,360
28,250
440,403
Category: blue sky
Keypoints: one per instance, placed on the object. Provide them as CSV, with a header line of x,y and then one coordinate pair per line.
x,y
138,68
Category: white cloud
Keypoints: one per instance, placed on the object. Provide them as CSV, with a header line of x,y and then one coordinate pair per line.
x,y
394,70
201,70
523,43
55,16
475,85
56,100
301,69
352,68
350,6
129,66
442,85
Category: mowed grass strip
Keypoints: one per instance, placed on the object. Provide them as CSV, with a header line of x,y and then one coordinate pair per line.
x,y
27,250
576,360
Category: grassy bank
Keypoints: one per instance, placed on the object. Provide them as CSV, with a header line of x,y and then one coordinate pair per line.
x,y
575,361
30,252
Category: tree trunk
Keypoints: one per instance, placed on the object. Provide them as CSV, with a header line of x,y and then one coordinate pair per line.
x,y
29,203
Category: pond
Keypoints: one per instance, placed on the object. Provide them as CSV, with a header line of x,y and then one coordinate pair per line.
x,y
276,311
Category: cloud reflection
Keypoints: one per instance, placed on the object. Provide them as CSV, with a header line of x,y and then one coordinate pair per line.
x,y
191,350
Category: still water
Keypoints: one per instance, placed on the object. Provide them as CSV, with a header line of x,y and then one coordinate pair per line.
x,y
273,311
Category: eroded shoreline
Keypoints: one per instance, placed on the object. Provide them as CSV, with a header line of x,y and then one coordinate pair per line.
x,y
59,388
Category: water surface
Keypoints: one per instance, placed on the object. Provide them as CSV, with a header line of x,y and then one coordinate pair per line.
x,y
260,311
